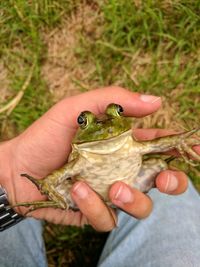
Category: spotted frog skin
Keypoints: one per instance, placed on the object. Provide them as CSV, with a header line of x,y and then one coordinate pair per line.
x,y
105,151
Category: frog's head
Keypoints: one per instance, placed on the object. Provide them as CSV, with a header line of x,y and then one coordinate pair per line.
x,y
93,128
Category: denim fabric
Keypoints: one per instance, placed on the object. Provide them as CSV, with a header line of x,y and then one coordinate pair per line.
x,y
22,245
170,236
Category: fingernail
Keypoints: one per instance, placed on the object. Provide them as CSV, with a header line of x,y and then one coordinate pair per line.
x,y
149,98
172,183
81,190
124,195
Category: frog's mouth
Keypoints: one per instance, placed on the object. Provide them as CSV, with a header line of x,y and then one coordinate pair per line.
x,y
104,128
107,146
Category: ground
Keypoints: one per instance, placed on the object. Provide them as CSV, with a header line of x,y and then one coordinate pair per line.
x,y
53,49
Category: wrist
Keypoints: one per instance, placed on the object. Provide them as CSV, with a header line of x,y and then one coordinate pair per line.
x,y
8,216
6,167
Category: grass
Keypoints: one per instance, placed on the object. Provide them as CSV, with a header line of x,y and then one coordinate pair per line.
x,y
73,246
146,46
164,39
21,45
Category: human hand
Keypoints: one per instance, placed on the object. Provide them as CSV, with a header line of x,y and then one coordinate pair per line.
x,y
45,146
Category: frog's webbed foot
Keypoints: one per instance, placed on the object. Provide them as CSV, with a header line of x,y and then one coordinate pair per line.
x,y
184,147
186,151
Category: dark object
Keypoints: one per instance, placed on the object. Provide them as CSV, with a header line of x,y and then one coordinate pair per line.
x,y
8,217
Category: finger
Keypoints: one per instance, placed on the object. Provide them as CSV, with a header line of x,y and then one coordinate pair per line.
x,y
101,217
134,104
172,182
130,200
197,149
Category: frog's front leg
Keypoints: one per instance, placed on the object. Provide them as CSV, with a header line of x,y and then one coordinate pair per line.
x,y
34,205
55,178
181,142
56,200
48,186
148,172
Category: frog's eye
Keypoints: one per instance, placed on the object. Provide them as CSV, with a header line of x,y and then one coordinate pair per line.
x,y
120,109
85,118
114,110
82,121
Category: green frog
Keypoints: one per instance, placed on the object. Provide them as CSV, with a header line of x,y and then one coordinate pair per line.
x,y
104,151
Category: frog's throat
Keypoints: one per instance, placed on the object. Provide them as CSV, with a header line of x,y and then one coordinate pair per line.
x,y
107,146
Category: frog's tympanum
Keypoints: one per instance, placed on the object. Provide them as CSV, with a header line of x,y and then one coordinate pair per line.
x,y
105,151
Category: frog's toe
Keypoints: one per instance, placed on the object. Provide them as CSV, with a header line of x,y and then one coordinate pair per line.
x,y
190,133
38,183
191,152
191,140
34,205
186,151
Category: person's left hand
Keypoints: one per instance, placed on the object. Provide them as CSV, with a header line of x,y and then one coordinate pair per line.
x,y
45,146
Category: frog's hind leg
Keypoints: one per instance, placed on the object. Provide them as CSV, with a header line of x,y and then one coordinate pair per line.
x,y
182,142
184,147
147,175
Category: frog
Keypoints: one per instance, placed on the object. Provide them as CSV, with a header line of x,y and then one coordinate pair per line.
x,y
104,151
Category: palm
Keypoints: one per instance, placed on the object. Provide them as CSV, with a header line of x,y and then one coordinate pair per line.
x,y
43,147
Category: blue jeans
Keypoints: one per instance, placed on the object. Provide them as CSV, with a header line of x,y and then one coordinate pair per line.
x,y
170,236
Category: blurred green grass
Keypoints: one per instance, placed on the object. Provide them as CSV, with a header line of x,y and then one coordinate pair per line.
x,y
146,46
21,45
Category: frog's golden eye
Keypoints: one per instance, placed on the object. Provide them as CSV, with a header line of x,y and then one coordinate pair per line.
x,y
85,118
114,110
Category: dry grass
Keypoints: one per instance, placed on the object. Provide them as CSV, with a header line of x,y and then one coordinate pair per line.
x,y
4,84
165,117
63,68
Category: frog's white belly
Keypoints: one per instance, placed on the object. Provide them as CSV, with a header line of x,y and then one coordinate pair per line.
x,y
100,170
100,175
